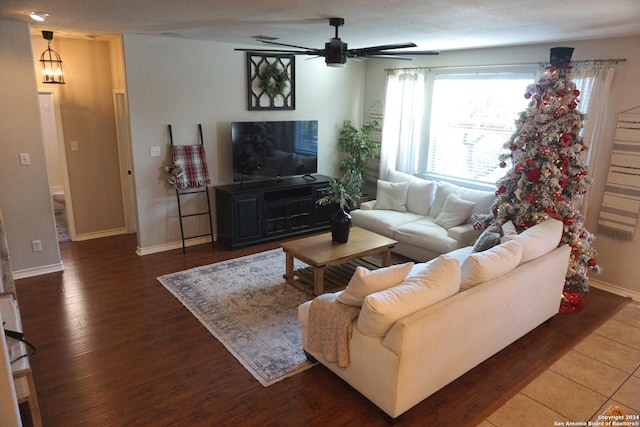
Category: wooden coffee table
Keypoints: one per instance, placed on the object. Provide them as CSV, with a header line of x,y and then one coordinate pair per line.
x,y
320,252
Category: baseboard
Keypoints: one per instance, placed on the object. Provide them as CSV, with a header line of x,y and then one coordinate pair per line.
x,y
100,234
614,289
38,271
147,250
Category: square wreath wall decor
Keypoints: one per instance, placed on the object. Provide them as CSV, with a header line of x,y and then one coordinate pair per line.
x,y
271,82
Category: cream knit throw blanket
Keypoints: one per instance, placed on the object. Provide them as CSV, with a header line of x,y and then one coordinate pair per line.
x,y
330,323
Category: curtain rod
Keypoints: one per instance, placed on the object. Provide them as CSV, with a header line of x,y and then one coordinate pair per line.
x,y
453,67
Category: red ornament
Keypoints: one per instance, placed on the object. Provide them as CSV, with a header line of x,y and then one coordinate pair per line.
x,y
576,92
545,150
503,165
549,209
530,163
533,175
477,225
501,190
519,168
592,262
573,105
568,221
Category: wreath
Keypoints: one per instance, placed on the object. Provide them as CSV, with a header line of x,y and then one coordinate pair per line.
x,y
273,80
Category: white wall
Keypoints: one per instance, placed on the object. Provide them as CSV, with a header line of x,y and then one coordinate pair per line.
x,y
185,82
618,259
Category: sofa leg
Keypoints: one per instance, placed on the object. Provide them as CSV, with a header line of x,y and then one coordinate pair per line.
x,y
309,357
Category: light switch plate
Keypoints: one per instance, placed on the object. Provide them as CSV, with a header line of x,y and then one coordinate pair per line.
x,y
25,159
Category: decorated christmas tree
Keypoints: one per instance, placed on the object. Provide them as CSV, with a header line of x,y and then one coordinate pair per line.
x,y
548,174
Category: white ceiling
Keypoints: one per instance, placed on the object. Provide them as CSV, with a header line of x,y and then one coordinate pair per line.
x,y
431,24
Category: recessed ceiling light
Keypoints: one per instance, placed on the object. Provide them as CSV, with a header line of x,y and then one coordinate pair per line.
x,y
38,16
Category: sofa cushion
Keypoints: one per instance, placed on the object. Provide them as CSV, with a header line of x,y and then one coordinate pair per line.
x,y
489,238
454,212
425,233
420,193
482,266
538,239
382,221
438,280
482,199
392,196
365,281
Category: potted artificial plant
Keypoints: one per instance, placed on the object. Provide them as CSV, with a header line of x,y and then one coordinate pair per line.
x,y
344,193
357,146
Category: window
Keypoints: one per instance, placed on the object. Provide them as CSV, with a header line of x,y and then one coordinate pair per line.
x,y
458,133
472,116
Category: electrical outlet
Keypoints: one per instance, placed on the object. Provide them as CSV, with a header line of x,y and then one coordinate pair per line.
x,y
74,145
155,151
36,245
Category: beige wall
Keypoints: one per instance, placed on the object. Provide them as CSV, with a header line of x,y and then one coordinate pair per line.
x,y
24,190
86,107
618,259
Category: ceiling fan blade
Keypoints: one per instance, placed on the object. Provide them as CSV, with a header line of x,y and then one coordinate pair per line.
x,y
383,47
384,56
286,45
410,53
283,51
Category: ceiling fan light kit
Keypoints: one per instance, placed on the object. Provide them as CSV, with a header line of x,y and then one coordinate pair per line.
x,y
336,52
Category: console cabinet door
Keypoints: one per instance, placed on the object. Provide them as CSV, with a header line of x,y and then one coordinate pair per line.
x,y
247,212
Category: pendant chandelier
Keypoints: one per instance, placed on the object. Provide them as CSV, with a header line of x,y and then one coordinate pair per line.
x,y
51,63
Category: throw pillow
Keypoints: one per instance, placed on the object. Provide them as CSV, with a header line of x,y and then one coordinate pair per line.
x,y
380,310
489,238
482,266
365,282
454,212
443,190
508,229
539,239
392,196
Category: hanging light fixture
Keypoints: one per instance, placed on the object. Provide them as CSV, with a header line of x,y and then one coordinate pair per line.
x,y
51,63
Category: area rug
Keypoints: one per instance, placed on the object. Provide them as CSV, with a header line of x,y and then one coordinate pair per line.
x,y
247,306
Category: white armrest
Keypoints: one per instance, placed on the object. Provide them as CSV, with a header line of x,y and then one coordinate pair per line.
x,y
465,234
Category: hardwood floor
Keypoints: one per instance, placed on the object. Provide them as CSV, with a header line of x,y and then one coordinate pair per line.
x,y
116,349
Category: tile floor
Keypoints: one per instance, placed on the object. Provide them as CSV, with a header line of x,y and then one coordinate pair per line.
x,y
601,371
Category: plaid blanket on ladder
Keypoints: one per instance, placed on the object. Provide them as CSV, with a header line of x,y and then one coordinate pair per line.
x,y
194,164
621,202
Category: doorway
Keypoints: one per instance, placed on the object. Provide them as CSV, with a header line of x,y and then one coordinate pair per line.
x,y
53,141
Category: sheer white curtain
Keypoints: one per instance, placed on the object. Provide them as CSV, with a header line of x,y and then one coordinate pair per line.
x,y
593,80
402,120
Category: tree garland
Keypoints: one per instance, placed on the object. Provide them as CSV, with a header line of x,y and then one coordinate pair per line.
x,y
273,80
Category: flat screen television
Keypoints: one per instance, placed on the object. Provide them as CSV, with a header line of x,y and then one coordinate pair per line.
x,y
274,150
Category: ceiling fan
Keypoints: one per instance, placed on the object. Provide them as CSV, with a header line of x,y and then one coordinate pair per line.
x,y
335,51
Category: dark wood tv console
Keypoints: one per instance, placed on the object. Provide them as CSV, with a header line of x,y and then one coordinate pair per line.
x,y
256,212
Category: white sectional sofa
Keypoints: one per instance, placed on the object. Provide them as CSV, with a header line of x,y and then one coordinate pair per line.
x,y
445,317
427,218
